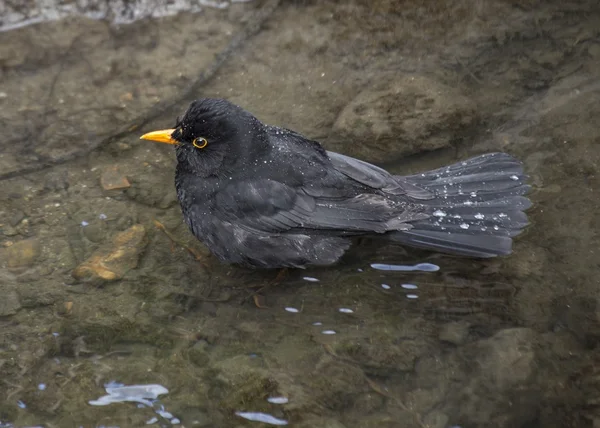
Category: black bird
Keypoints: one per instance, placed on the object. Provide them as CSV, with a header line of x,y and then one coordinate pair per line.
x,y
267,197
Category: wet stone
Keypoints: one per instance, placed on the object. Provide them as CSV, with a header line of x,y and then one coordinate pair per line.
x,y
436,420
113,179
20,254
94,232
198,353
454,332
9,303
154,189
323,423
111,262
8,230
16,218
31,296
401,116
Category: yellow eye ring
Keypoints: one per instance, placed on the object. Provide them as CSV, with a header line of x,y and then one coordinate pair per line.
x,y
200,142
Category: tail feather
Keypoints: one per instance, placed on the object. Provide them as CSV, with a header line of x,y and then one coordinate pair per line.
x,y
478,207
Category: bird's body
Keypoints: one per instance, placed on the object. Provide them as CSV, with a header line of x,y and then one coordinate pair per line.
x,y
262,196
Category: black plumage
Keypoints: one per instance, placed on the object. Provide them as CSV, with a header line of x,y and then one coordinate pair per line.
x,y
263,196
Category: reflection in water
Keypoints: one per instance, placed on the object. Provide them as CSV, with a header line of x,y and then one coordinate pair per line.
x,y
145,395
262,417
118,12
424,267
277,400
117,393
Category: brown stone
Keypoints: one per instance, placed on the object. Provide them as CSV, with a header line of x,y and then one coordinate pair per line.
x,y
113,179
113,261
21,253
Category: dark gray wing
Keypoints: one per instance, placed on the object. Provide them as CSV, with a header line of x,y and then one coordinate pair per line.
x,y
268,206
377,178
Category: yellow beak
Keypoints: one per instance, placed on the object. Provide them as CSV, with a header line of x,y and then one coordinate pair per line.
x,y
163,136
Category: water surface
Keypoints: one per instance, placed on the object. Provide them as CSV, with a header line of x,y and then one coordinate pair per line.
x,y
391,337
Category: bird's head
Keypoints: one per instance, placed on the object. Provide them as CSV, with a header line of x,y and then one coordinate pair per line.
x,y
210,135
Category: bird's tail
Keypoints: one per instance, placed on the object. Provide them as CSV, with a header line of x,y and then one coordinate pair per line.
x,y
477,209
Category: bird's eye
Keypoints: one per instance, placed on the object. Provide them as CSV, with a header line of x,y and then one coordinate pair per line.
x,y
200,142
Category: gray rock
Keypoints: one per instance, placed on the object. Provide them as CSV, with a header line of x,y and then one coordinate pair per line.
x,y
507,358
9,303
501,391
16,218
401,116
454,332
154,189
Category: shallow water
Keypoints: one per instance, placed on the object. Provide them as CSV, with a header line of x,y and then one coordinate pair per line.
x,y
390,337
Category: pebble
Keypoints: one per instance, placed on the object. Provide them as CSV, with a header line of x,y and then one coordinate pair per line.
x,y
20,254
10,302
112,179
293,310
114,260
8,230
16,218
346,310
328,332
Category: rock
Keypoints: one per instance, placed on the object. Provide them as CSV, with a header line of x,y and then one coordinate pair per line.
x,y
507,358
111,262
500,391
154,189
196,417
454,332
318,422
336,384
198,353
34,295
20,254
247,384
113,179
389,353
95,232
8,230
9,303
16,218
403,115
436,420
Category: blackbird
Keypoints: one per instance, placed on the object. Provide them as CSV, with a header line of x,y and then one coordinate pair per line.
x,y
267,197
